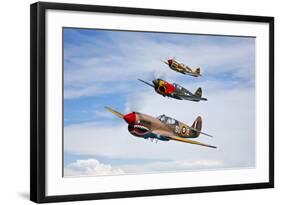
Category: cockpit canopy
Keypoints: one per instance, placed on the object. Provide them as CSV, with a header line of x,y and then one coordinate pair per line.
x,y
167,120
177,86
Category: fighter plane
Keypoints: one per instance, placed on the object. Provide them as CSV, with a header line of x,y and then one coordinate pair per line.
x,y
174,90
182,68
162,128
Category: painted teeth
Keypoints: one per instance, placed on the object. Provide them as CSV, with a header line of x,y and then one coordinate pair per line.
x,y
140,126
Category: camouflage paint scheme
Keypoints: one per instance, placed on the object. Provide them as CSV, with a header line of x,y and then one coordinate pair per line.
x,y
174,90
182,68
162,128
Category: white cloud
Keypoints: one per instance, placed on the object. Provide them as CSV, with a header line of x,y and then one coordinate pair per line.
x,y
228,115
140,56
172,166
93,167
90,167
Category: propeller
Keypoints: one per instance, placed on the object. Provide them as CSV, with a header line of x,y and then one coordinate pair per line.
x,y
130,118
118,114
164,61
146,82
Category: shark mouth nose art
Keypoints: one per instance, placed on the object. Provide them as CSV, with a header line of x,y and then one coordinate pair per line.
x,y
138,130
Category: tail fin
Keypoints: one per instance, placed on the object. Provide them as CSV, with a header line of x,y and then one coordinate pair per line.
x,y
197,71
198,92
197,125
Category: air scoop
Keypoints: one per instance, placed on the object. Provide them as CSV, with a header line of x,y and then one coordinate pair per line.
x,y
138,130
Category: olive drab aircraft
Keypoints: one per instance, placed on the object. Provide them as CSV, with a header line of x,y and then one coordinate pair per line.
x,y
182,68
162,128
174,90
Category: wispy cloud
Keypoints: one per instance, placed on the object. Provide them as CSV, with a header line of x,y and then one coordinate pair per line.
x,y
93,167
102,67
132,54
228,116
173,166
90,167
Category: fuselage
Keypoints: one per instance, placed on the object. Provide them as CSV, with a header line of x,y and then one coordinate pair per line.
x,y
174,91
145,126
181,68
142,125
161,128
174,65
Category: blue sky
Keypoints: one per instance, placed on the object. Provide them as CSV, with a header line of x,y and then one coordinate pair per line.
x,y
101,68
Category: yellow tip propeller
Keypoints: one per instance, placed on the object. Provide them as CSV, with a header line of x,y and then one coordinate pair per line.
x,y
118,114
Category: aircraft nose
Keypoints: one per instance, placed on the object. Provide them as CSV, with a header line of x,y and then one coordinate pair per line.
x,y
155,82
130,118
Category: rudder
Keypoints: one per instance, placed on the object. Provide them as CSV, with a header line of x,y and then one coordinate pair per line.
x,y
198,92
197,124
197,71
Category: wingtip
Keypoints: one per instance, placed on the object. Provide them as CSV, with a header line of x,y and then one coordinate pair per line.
x,y
107,108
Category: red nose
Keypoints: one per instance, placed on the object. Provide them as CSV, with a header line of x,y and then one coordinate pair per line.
x,y
130,118
170,61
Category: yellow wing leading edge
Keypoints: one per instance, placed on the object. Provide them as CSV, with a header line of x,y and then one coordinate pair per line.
x,y
190,141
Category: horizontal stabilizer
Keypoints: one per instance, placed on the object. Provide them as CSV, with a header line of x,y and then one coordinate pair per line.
x,y
203,133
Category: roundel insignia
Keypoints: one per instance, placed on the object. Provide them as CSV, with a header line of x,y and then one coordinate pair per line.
x,y
183,130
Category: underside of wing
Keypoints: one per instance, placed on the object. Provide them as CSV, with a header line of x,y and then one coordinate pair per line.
x,y
181,70
188,69
162,132
187,97
184,92
190,141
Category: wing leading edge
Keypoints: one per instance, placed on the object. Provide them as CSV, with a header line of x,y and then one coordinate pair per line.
x,y
189,141
180,139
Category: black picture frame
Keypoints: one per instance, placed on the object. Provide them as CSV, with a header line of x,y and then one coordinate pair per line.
x,y
38,101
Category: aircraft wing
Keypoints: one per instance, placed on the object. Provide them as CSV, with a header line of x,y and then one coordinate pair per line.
x,y
180,139
187,68
184,91
194,98
189,141
190,97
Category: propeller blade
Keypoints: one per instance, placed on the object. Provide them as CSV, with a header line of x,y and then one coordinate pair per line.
x,y
164,62
118,114
146,83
